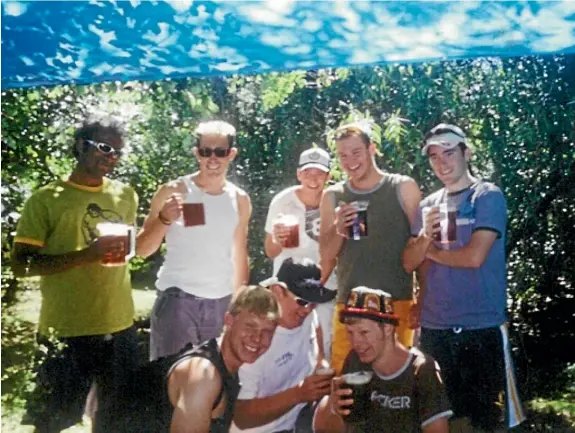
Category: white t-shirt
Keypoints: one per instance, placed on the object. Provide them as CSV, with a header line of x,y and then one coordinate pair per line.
x,y
291,358
287,202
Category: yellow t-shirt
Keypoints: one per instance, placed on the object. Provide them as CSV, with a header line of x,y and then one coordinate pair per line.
x,y
62,217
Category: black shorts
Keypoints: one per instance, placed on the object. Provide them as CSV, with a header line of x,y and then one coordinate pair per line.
x,y
476,371
67,368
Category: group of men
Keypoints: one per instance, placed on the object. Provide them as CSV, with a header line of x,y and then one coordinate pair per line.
x,y
336,303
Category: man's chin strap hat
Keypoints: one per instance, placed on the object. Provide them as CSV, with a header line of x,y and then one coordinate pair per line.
x,y
365,303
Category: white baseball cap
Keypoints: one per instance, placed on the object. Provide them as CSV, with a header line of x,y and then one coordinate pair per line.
x,y
314,158
448,137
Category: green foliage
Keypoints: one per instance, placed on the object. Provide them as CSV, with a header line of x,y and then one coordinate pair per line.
x,y
519,114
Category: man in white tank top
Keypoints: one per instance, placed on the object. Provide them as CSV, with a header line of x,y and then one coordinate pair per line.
x,y
301,204
204,220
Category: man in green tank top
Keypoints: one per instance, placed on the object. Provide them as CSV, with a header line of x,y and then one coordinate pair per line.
x,y
367,244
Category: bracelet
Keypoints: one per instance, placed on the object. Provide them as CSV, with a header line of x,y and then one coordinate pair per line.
x,y
163,219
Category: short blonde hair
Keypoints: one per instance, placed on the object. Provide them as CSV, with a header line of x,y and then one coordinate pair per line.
x,y
257,300
219,128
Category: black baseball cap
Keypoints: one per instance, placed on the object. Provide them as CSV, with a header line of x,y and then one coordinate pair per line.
x,y
303,279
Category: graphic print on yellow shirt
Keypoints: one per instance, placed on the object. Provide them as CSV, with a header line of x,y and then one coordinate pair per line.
x,y
62,217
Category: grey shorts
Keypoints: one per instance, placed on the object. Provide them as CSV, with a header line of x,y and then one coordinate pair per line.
x,y
179,318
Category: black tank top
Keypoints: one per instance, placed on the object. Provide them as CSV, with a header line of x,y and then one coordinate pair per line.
x,y
144,405
230,382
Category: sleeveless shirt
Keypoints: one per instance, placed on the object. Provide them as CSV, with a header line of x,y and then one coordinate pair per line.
x,y
375,261
199,259
143,405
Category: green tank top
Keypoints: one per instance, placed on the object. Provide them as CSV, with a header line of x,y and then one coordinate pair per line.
x,y
375,261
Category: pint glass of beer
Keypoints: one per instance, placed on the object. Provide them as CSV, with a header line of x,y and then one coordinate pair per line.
x,y
358,229
193,214
358,383
447,226
127,235
291,223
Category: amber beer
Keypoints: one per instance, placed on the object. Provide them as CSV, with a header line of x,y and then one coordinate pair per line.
x,y
125,235
291,223
359,384
194,214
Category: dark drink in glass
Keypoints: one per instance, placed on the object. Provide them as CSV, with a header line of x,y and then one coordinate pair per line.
x,y
359,384
193,214
358,229
448,226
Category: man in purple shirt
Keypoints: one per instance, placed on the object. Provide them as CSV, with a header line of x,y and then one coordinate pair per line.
x,y
462,301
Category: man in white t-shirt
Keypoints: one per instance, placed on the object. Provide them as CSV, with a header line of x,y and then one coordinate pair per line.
x,y
302,202
279,389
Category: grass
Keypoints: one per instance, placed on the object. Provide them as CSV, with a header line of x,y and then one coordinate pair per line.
x,y
18,330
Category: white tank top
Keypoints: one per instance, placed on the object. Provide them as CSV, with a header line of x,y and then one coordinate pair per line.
x,y
199,258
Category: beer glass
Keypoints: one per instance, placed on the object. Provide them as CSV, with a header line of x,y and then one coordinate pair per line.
x,y
292,224
447,225
358,229
127,235
358,382
194,214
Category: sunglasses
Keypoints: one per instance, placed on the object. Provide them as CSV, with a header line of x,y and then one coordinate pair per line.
x,y
303,303
106,149
220,152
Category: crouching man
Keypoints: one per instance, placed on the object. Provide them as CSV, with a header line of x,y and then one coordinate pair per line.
x,y
384,387
280,389
195,391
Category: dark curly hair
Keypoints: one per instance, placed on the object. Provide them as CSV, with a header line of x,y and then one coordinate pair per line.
x,y
97,125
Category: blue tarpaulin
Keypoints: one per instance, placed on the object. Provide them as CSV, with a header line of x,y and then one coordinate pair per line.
x,y
48,43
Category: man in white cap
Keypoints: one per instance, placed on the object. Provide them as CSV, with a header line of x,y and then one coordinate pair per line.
x,y
298,207
462,270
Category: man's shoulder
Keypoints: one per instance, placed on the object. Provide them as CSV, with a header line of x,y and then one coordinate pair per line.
x,y
337,187
120,187
285,194
432,198
397,178
422,362
483,188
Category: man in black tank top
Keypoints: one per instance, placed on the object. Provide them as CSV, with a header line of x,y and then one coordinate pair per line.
x,y
195,391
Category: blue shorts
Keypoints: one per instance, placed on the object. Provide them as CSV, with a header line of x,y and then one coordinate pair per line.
x,y
67,367
477,368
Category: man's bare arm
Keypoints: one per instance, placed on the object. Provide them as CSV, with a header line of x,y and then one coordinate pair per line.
x,y
326,420
472,255
27,260
272,249
330,242
410,197
440,425
241,256
193,388
260,411
153,231
414,252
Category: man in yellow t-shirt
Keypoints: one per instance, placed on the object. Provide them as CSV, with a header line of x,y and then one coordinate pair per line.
x,y
85,306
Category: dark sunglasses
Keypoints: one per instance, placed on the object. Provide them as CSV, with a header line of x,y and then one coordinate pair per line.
x,y
303,303
220,152
106,149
